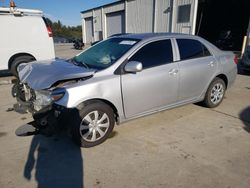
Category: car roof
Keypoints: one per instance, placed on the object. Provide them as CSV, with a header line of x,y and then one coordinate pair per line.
x,y
155,36
145,36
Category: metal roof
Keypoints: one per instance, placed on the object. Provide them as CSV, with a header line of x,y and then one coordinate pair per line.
x,y
103,6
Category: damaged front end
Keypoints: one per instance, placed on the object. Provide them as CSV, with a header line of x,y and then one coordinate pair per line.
x,y
41,104
39,87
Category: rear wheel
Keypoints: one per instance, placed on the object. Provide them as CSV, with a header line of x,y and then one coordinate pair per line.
x,y
17,61
93,124
215,93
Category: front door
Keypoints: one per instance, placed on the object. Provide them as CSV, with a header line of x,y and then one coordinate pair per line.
x,y
156,85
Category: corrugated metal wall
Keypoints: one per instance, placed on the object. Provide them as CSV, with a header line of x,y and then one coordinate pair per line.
x,y
183,27
140,15
143,16
99,21
114,8
162,15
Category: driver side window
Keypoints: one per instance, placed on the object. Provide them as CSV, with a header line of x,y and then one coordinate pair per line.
x,y
154,54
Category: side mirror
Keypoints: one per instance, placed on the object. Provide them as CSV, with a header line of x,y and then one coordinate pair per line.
x,y
133,67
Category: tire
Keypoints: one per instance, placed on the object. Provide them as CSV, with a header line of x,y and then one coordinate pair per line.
x,y
215,93
85,131
17,61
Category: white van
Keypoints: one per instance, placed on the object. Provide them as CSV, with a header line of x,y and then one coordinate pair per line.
x,y
24,36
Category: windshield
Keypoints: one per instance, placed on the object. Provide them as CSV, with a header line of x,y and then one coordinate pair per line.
x,y
106,53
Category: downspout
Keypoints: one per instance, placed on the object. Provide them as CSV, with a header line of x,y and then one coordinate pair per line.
x,y
93,26
154,16
170,20
83,29
126,16
195,16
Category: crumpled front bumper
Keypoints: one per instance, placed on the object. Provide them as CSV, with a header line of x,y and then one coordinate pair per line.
x,y
47,121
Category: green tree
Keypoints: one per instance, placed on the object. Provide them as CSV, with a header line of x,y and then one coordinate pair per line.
x,y
69,32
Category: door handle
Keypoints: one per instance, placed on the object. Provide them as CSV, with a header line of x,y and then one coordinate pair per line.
x,y
211,64
173,71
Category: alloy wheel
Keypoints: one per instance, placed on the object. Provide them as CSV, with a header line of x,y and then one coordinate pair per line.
x,y
94,126
217,93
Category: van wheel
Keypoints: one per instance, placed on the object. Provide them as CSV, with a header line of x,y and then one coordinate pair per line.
x,y
17,61
215,93
93,124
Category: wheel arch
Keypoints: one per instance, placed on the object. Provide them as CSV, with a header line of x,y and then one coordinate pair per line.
x,y
116,113
224,78
18,55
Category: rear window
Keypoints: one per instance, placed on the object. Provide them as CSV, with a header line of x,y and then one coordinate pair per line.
x,y
45,21
190,49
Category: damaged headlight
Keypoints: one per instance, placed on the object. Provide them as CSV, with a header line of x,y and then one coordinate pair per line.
x,y
43,98
57,94
46,97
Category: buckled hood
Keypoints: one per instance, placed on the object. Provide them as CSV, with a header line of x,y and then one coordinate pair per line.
x,y
43,74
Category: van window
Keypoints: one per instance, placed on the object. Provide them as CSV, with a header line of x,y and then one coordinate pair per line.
x,y
190,49
154,54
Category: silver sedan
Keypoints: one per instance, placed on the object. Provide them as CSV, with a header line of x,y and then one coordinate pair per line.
x,y
125,77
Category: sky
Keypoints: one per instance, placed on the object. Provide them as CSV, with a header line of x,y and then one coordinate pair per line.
x,y
67,11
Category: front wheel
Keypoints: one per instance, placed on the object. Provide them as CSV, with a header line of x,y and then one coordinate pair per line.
x,y
93,124
215,93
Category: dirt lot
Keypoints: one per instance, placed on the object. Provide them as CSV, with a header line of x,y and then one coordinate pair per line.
x,y
190,146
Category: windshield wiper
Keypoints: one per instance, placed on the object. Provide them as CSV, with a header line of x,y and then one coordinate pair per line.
x,y
78,63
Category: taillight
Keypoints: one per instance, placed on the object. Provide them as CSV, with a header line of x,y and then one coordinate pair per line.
x,y
236,60
49,31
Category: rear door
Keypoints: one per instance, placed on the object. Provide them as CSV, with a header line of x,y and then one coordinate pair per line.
x,y
156,85
197,68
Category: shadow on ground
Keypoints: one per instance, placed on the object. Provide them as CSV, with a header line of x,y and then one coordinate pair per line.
x,y
245,118
57,162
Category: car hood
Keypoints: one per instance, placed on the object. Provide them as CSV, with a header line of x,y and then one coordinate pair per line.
x,y
43,74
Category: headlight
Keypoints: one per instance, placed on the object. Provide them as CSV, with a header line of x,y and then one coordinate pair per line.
x,y
57,94
43,98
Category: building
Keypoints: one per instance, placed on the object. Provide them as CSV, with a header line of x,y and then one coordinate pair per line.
x,y
207,18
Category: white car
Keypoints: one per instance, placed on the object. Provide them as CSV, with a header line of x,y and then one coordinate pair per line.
x,y
25,36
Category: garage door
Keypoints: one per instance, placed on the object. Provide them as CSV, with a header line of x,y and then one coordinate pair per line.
x,y
89,29
115,23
